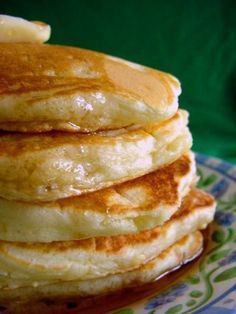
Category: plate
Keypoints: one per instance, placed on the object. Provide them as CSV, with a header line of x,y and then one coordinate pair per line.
x,y
211,286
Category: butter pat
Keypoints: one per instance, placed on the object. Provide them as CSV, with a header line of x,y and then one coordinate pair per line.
x,y
15,29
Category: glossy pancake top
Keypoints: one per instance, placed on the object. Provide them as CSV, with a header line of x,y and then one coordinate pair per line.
x,y
45,87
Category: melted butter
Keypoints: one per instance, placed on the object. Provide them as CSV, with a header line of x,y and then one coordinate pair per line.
x,y
15,29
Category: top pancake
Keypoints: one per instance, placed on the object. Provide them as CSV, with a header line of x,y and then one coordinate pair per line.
x,y
49,87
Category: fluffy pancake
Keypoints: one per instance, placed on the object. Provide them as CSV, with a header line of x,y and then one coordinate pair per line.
x,y
51,166
42,263
49,87
129,207
179,253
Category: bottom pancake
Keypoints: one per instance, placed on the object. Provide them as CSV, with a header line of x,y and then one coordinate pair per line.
x,y
176,255
27,264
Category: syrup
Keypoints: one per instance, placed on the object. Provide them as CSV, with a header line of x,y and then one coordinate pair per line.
x,y
127,296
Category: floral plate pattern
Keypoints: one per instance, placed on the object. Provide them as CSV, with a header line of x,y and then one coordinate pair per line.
x,y
212,288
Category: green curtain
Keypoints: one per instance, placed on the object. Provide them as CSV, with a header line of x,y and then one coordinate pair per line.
x,y
193,39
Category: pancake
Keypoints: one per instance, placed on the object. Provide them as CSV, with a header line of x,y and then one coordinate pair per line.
x,y
25,264
50,166
179,253
129,207
48,87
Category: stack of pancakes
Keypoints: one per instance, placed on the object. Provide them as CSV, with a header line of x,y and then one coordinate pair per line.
x,y
96,175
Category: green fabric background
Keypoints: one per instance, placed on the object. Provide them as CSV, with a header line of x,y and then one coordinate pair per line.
x,y
194,40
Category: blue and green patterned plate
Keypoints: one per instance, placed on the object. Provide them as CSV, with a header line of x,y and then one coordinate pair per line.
x,y
211,288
